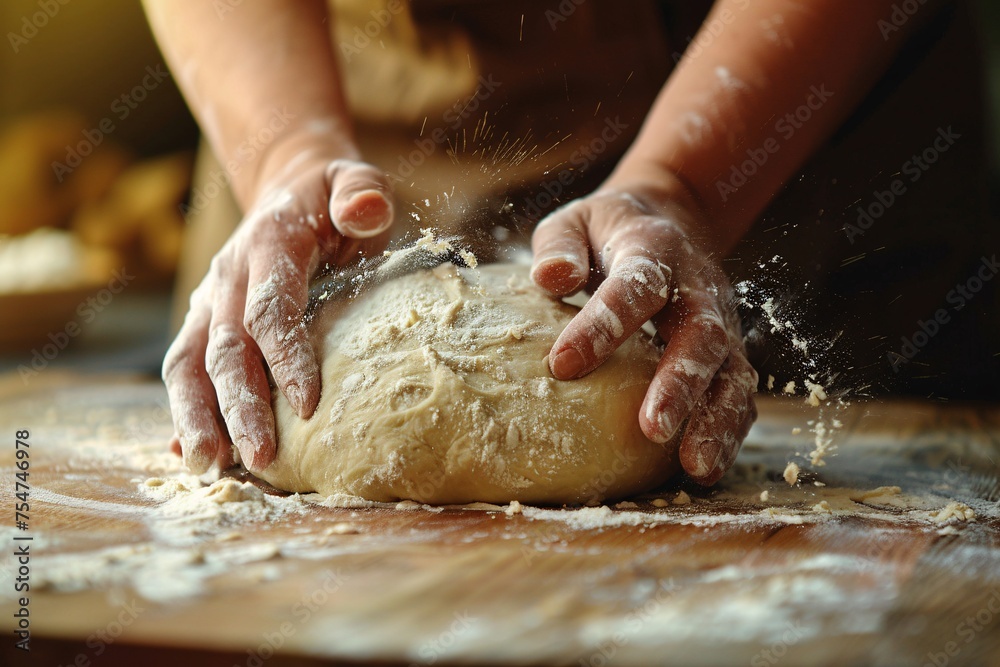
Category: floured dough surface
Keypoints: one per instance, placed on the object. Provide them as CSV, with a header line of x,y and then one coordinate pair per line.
x,y
436,388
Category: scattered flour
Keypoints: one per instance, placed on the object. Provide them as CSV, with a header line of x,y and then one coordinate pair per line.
x,y
953,511
791,474
681,499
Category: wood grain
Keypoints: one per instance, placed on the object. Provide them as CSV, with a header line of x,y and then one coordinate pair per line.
x,y
482,587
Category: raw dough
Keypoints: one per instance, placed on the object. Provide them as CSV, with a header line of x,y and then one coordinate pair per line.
x,y
436,388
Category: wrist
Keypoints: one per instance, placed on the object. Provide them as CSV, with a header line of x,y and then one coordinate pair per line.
x,y
315,142
664,188
654,182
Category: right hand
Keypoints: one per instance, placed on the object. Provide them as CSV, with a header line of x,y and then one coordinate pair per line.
x,y
248,310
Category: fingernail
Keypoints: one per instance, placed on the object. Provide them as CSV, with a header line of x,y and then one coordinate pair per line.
x,y
366,213
667,426
294,395
258,464
567,364
246,453
253,457
712,450
558,272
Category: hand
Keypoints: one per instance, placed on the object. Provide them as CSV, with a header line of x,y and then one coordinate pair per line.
x,y
638,252
249,308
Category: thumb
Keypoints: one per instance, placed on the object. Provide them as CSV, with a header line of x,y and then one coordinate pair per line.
x,y
360,199
561,251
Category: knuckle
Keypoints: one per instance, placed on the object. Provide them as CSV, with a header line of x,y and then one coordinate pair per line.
x,y
269,312
225,342
606,328
355,176
715,336
566,219
290,356
178,355
642,280
218,268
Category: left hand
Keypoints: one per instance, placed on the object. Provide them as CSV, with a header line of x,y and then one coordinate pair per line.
x,y
638,251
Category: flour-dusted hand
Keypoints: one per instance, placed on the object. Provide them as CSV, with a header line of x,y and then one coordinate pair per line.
x,y
247,314
638,252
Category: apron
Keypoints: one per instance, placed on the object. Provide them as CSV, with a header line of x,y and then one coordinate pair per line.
x,y
487,114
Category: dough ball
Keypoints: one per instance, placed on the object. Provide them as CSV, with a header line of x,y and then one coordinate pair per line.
x,y
436,388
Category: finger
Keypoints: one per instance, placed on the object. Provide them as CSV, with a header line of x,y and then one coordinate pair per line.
x,y
720,424
234,364
561,251
279,270
636,288
698,343
192,397
360,199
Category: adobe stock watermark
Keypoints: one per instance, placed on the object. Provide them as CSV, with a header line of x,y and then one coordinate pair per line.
x,y
561,13
579,162
709,31
120,109
597,487
362,36
98,642
901,13
913,169
786,127
301,612
957,297
250,148
775,652
87,311
32,23
433,649
454,117
635,620
966,631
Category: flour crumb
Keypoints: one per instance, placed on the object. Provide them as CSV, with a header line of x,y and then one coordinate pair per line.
x,y
797,430
823,444
953,510
790,387
342,528
229,490
408,505
822,507
770,382
765,495
682,498
817,393
514,508
626,505
818,483
791,473
660,502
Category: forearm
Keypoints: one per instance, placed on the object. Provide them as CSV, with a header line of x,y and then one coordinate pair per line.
x,y
254,77
735,100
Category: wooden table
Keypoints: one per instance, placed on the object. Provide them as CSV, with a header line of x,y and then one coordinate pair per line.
x,y
713,582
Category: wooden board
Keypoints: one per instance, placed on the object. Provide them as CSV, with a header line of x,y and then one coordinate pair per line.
x,y
459,586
